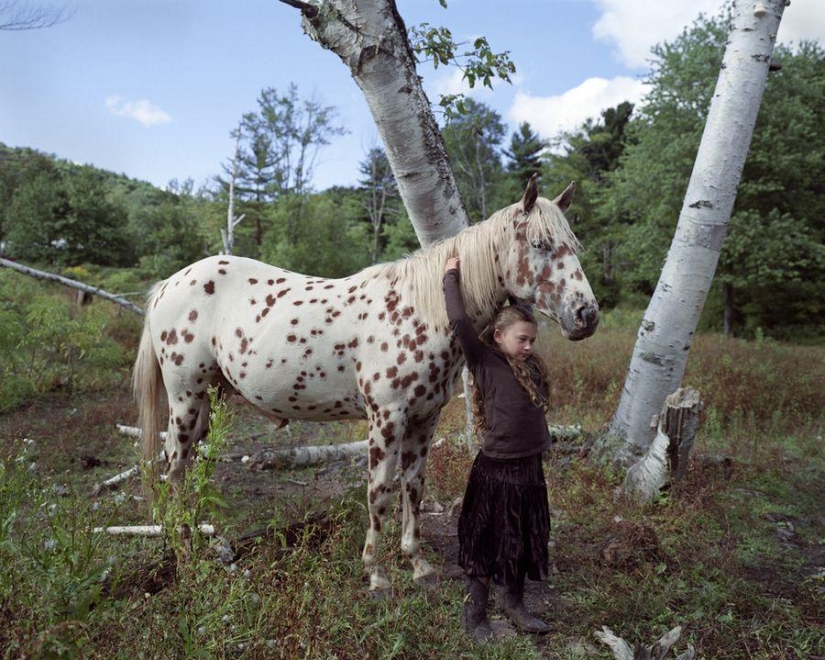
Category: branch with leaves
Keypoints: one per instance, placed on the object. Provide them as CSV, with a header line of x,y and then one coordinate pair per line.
x,y
478,63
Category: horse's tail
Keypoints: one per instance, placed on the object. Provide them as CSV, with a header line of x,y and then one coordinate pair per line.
x,y
147,383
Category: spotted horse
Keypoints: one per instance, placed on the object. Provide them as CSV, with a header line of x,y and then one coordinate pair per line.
x,y
375,345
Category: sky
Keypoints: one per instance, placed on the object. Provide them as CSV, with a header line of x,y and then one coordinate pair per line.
x,y
152,88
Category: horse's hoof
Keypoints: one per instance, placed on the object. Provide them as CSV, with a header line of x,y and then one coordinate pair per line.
x,y
428,582
381,594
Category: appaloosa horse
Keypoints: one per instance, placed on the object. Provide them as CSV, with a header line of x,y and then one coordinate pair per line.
x,y
376,345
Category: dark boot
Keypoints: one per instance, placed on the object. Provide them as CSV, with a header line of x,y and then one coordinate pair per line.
x,y
511,599
474,619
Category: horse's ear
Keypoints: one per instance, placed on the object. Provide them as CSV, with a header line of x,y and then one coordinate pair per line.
x,y
530,194
564,200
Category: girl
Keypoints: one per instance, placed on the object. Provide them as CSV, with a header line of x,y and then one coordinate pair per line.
x,y
504,526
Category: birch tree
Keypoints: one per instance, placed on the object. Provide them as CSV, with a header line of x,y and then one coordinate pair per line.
x,y
371,39
232,220
381,196
668,326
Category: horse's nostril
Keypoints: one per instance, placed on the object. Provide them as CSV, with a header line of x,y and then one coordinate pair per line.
x,y
585,315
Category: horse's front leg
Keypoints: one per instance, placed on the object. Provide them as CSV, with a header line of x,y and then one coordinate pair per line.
x,y
414,468
386,434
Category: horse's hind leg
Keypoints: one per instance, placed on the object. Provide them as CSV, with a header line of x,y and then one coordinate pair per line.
x,y
413,469
188,422
386,434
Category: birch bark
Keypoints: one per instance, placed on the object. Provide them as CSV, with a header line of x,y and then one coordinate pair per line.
x,y
667,329
371,39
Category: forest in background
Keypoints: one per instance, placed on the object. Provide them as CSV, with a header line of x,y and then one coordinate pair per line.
x,y
632,166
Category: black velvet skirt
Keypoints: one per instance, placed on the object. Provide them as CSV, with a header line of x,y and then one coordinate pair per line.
x,y
504,527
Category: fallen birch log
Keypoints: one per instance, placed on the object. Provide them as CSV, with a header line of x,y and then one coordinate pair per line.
x,y
562,432
146,530
668,453
271,459
275,459
113,482
622,651
135,432
65,281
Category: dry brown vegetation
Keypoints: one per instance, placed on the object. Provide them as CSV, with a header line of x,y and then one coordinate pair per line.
x,y
734,554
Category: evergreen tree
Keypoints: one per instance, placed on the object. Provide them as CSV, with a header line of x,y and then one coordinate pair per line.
x,y
167,229
30,226
93,229
525,154
381,198
586,156
279,148
473,143
330,241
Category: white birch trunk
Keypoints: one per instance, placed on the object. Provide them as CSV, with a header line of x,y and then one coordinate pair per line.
x,y
146,530
274,459
228,234
667,329
467,384
371,39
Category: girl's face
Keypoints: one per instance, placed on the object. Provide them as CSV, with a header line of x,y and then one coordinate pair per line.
x,y
517,339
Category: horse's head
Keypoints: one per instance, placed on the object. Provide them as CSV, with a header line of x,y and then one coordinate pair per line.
x,y
541,266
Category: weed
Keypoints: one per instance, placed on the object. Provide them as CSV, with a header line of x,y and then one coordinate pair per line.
x,y
732,554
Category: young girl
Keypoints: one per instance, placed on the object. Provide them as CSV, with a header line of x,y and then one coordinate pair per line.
x,y
504,528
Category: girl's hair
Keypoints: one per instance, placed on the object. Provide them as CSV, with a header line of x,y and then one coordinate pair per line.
x,y
527,372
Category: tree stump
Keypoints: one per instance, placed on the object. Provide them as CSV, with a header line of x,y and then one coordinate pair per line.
x,y
668,454
657,651
679,422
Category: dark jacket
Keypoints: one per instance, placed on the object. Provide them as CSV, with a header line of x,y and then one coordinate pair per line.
x,y
516,427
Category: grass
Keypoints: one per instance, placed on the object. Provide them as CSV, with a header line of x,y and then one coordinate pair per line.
x,y
734,554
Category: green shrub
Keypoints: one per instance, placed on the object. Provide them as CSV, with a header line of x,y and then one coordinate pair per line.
x,y
48,343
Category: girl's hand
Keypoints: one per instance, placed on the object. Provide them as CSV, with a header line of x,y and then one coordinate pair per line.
x,y
453,263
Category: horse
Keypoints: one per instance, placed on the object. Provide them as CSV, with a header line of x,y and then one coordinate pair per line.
x,y
375,345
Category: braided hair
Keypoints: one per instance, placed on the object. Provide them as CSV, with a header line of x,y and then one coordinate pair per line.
x,y
531,374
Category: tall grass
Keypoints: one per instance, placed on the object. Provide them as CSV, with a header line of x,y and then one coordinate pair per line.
x,y
730,554
750,389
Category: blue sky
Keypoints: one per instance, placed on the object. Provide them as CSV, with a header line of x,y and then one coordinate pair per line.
x,y
152,88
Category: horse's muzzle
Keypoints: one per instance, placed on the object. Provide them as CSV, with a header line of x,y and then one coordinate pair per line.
x,y
578,320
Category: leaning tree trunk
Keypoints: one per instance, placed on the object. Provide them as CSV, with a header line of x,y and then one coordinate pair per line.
x,y
86,288
667,329
371,39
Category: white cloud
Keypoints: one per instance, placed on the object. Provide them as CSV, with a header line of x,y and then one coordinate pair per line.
x,y
634,26
550,115
453,83
803,19
141,111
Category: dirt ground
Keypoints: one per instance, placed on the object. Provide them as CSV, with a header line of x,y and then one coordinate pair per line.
x,y
75,441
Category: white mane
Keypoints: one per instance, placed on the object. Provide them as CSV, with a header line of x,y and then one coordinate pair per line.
x,y
419,276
